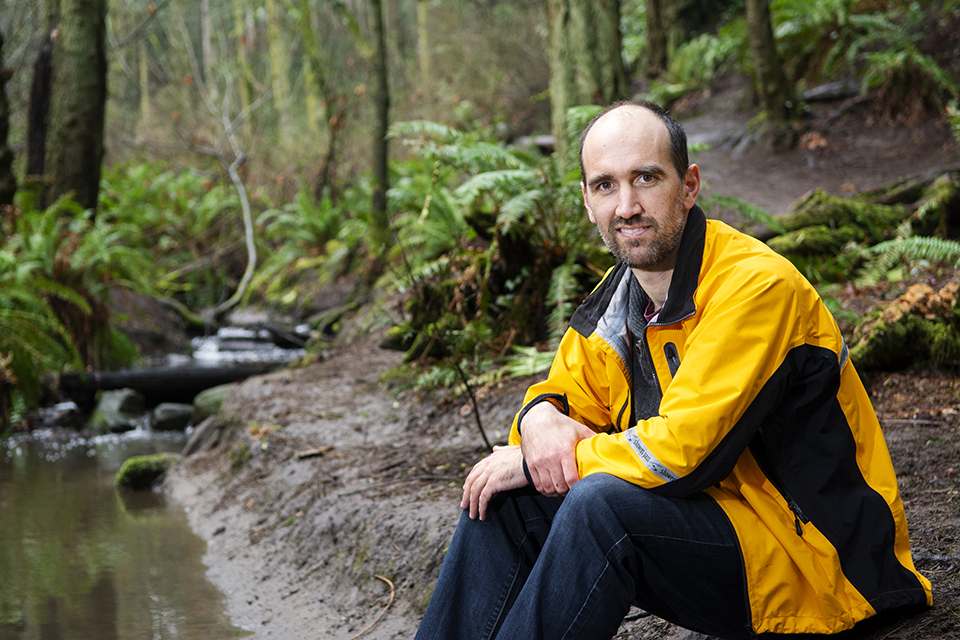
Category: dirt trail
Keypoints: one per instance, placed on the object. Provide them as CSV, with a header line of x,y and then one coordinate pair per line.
x,y
297,544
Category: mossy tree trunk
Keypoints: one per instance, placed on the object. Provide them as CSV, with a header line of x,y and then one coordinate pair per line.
x,y
78,101
586,64
776,93
8,182
379,216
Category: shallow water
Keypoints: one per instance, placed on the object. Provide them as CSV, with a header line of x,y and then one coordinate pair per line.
x,y
80,560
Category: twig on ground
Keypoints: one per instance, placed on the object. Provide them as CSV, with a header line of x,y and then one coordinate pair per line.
x,y
389,602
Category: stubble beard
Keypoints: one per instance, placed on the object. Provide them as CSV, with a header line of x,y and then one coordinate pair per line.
x,y
648,252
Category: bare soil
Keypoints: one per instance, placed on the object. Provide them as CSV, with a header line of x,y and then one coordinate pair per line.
x,y
324,545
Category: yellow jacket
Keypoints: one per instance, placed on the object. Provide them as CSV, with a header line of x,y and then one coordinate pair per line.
x,y
762,411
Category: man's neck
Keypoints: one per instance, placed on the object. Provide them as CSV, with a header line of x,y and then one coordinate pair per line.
x,y
655,284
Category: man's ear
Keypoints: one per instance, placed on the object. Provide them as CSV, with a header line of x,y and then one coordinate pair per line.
x,y
586,204
691,186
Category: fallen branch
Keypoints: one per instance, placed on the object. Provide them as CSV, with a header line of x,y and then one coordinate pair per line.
x,y
390,602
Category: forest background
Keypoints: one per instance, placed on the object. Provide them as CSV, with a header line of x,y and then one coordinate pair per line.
x,y
211,154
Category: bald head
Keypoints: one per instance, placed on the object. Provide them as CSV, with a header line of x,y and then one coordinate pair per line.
x,y
630,108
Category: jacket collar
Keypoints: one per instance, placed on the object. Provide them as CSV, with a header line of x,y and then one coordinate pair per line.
x,y
686,275
611,292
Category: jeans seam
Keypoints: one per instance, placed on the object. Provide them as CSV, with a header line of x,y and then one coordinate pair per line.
x,y
593,587
506,594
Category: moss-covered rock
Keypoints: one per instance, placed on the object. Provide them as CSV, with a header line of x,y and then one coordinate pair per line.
x,y
822,209
142,472
208,402
818,239
921,328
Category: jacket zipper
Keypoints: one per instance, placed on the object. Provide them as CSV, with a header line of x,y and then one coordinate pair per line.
x,y
762,457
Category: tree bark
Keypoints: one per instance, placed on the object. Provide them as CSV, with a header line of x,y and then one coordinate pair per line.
x,y
775,92
8,183
586,65
144,80
381,179
38,117
278,67
423,42
660,15
78,101
244,42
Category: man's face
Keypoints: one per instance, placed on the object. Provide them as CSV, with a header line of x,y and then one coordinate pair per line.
x,y
632,191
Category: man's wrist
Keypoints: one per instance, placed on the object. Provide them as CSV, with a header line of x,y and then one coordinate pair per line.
x,y
556,400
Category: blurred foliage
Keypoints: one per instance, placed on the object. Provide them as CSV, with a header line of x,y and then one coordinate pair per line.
x,y
57,267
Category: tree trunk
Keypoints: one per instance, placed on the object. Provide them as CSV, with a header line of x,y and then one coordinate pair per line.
x,y
78,104
142,63
423,42
381,96
206,49
586,65
278,67
318,82
38,118
776,95
8,183
244,43
660,14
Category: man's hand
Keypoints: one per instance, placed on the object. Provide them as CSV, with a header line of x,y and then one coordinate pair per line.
x,y
500,471
549,444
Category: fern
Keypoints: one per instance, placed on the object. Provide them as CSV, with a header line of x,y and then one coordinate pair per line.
x,y
715,204
563,296
884,256
527,361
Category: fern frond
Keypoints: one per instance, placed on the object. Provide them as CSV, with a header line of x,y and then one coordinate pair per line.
x,y
883,257
423,127
498,184
527,361
716,203
562,297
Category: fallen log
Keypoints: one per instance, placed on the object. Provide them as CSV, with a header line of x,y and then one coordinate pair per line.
x,y
174,384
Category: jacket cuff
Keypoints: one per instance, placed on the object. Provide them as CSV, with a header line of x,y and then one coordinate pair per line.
x,y
553,398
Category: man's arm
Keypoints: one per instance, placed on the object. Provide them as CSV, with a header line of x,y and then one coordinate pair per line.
x,y
549,447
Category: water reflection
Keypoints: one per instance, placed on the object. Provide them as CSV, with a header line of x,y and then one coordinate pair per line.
x,y
80,560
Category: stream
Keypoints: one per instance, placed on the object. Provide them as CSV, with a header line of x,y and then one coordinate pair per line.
x,y
80,559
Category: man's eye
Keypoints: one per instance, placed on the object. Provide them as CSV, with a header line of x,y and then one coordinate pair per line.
x,y
647,179
603,186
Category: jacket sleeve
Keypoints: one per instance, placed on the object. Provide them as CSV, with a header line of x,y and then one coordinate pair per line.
x,y
737,363
578,385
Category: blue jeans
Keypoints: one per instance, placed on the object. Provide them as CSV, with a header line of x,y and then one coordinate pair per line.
x,y
559,568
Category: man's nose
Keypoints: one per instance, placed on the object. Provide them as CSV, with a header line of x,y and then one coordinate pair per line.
x,y
628,203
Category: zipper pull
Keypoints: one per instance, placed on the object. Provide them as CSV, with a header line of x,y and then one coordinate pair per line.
x,y
798,516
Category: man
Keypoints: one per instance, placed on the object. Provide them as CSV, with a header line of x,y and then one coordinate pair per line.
x,y
702,447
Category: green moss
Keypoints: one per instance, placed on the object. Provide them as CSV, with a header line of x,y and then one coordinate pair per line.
x,y
911,341
141,472
424,599
822,209
239,455
361,557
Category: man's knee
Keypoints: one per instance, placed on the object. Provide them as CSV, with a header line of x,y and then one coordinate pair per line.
x,y
600,492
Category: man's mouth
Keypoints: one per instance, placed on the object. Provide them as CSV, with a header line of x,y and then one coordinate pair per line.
x,y
635,227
